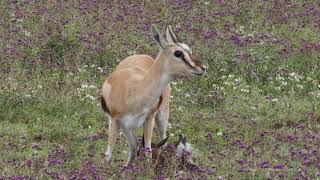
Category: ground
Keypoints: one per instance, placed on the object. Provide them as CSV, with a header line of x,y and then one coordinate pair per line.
x,y
254,115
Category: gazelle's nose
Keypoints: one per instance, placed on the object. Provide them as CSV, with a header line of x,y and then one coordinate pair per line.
x,y
203,67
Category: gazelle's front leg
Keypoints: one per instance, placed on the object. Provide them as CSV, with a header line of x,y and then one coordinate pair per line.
x,y
148,130
112,136
162,116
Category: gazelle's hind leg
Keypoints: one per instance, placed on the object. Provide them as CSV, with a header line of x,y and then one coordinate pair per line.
x,y
148,130
112,136
133,144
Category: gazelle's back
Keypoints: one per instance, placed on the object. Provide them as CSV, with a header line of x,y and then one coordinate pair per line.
x,y
124,79
135,65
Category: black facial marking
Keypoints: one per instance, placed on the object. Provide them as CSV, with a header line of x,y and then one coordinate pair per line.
x,y
157,38
185,61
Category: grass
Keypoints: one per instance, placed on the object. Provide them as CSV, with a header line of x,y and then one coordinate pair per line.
x,y
255,115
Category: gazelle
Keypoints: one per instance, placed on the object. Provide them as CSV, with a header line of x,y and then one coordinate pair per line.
x,y
139,90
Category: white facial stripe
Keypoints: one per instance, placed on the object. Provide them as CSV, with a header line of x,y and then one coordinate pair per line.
x,y
185,47
189,60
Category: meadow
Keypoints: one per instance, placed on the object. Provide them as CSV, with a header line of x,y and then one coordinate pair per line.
x,y
254,115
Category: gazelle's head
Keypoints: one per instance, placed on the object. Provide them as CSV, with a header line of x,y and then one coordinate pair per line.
x,y
180,59
184,150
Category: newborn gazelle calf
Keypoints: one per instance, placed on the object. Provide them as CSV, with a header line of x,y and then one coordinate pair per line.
x,y
139,90
180,151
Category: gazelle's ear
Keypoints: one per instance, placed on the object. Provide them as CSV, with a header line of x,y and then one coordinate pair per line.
x,y
173,35
182,139
169,36
158,37
162,142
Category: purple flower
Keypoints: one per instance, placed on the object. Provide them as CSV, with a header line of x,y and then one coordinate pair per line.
x,y
300,126
29,163
290,137
210,35
36,146
306,160
254,142
263,133
211,171
264,164
240,143
278,167
243,170
32,62
242,161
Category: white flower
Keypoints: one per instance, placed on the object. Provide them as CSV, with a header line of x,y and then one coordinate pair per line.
x,y
293,74
237,80
92,87
300,86
309,78
219,133
284,83
231,76
244,90
84,86
27,33
90,97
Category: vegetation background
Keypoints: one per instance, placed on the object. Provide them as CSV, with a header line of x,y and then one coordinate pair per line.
x,y
255,115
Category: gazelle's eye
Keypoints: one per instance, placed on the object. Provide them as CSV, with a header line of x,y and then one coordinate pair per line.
x,y
178,54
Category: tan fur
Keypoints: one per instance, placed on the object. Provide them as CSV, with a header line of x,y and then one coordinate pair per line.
x,y
127,80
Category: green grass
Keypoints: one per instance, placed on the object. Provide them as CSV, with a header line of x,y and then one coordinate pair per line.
x,y
51,75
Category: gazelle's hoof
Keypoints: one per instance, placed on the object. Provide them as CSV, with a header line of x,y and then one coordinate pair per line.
x,y
107,157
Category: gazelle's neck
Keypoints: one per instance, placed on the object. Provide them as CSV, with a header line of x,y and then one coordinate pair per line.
x,y
156,80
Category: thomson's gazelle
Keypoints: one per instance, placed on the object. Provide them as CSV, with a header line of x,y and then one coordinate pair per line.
x,y
139,90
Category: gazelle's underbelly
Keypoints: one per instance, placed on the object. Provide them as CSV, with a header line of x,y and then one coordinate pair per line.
x,y
133,121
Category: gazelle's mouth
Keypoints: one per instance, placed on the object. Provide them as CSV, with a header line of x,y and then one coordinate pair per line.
x,y
199,70
199,73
